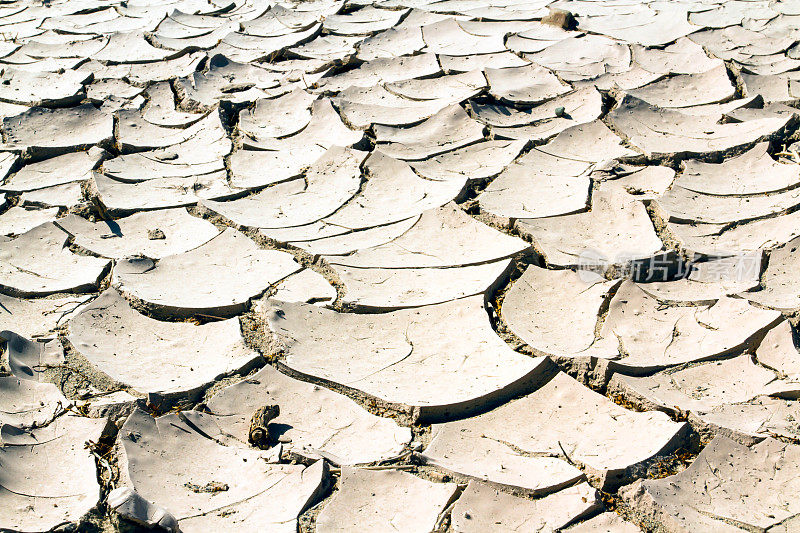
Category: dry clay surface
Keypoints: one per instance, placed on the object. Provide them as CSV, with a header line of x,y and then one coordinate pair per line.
x,y
400,266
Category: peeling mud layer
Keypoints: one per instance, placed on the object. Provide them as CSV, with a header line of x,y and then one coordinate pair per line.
x,y
420,266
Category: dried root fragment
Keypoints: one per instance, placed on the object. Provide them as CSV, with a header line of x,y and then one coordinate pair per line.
x,y
259,432
210,487
560,18
155,234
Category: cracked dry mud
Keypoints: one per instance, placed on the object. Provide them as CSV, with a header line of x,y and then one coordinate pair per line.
x,y
489,265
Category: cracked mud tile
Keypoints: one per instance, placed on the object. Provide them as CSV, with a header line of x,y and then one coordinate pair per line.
x,y
538,185
541,122
43,89
591,142
362,107
453,64
582,57
768,65
484,508
136,134
305,286
681,57
660,132
324,239
608,522
448,129
326,186
382,70
710,280
288,157
654,336
131,47
705,387
422,17
453,88
730,15
541,301
8,160
393,192
562,420
617,224
626,80
145,73
752,421
364,21
686,90
753,172
649,25
442,237
127,503
277,117
161,108
80,21
535,37
487,28
553,179
746,237
474,162
384,501
183,25
21,219
67,46
733,397
449,38
445,255
154,234
196,42
225,79
506,13
127,346
246,48
278,20
738,110
774,88
728,488
686,206
434,362
197,151
38,493
218,286
178,462
49,132
296,73
328,48
385,289
58,170
115,94
639,333
122,198
779,352
780,286
38,263
313,422
67,196
526,85
393,42
27,401
37,317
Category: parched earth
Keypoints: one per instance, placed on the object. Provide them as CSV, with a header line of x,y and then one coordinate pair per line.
x,y
453,266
